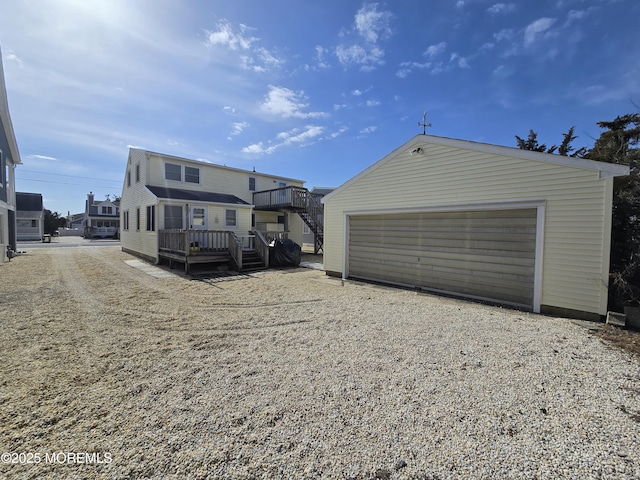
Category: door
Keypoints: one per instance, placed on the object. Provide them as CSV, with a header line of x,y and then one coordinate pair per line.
x,y
487,255
198,224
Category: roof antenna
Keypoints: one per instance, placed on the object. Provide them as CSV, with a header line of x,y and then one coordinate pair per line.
x,y
424,123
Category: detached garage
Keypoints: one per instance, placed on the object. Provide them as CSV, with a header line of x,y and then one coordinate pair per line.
x,y
515,227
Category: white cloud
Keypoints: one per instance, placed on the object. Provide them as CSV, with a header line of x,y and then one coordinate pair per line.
x,y
460,4
42,157
356,93
500,8
229,110
339,106
239,127
373,103
257,59
459,61
372,24
534,29
225,35
286,103
340,131
302,137
368,130
357,55
433,50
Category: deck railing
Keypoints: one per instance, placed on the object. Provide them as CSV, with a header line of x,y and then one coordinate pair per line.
x,y
190,242
285,197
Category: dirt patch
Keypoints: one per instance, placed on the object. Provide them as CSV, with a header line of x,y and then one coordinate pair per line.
x,y
627,340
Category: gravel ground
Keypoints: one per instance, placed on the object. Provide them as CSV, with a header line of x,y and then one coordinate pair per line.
x,y
109,372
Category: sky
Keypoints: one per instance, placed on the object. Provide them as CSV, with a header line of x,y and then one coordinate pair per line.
x,y
314,90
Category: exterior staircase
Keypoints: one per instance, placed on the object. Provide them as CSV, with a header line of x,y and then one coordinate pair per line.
x,y
251,261
298,200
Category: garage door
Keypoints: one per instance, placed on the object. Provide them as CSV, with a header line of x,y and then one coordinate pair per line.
x,y
482,254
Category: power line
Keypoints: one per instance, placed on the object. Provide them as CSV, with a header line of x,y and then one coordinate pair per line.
x,y
61,183
65,175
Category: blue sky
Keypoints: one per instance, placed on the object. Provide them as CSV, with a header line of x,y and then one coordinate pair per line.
x,y
314,90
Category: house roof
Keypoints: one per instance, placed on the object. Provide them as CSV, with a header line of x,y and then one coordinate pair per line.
x,y
28,202
604,169
194,195
322,190
216,165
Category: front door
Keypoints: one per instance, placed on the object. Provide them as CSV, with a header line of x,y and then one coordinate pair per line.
x,y
198,221
198,218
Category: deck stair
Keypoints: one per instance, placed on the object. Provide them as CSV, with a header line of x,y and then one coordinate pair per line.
x,y
298,200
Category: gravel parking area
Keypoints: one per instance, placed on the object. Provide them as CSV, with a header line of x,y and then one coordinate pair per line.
x,y
108,371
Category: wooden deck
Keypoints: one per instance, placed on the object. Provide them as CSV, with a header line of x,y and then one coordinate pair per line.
x,y
217,248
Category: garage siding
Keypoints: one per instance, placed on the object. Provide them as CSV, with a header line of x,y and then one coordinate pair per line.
x,y
577,208
486,254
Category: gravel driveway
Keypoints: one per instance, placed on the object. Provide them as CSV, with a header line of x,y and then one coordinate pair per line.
x,y
107,371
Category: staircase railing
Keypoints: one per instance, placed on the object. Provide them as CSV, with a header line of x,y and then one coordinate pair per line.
x,y
235,249
262,247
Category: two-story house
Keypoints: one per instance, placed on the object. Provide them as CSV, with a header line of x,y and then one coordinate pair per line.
x,y
9,158
29,216
192,211
101,217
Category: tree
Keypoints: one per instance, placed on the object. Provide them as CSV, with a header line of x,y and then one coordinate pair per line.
x,y
619,144
53,221
565,148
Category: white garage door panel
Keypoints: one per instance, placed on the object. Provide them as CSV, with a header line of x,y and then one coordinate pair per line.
x,y
489,254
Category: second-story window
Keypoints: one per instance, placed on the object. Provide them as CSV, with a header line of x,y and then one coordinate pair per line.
x,y
107,210
137,172
191,175
172,172
252,184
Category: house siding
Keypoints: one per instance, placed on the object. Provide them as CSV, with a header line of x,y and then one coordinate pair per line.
x,y
213,178
134,196
577,210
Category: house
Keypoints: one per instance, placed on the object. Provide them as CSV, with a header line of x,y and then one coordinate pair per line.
x,y
29,216
9,159
311,237
75,220
180,210
515,227
101,217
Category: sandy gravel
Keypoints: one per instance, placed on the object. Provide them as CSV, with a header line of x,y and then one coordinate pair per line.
x,y
109,372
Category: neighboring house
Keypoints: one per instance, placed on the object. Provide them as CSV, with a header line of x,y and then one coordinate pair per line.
x,y
29,216
75,221
9,158
510,226
101,218
311,237
191,211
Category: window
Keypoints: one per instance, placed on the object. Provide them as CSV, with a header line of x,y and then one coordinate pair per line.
x,y
137,172
306,230
128,178
252,184
151,218
138,218
172,172
125,220
2,180
191,175
172,217
230,218
107,210
1,231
